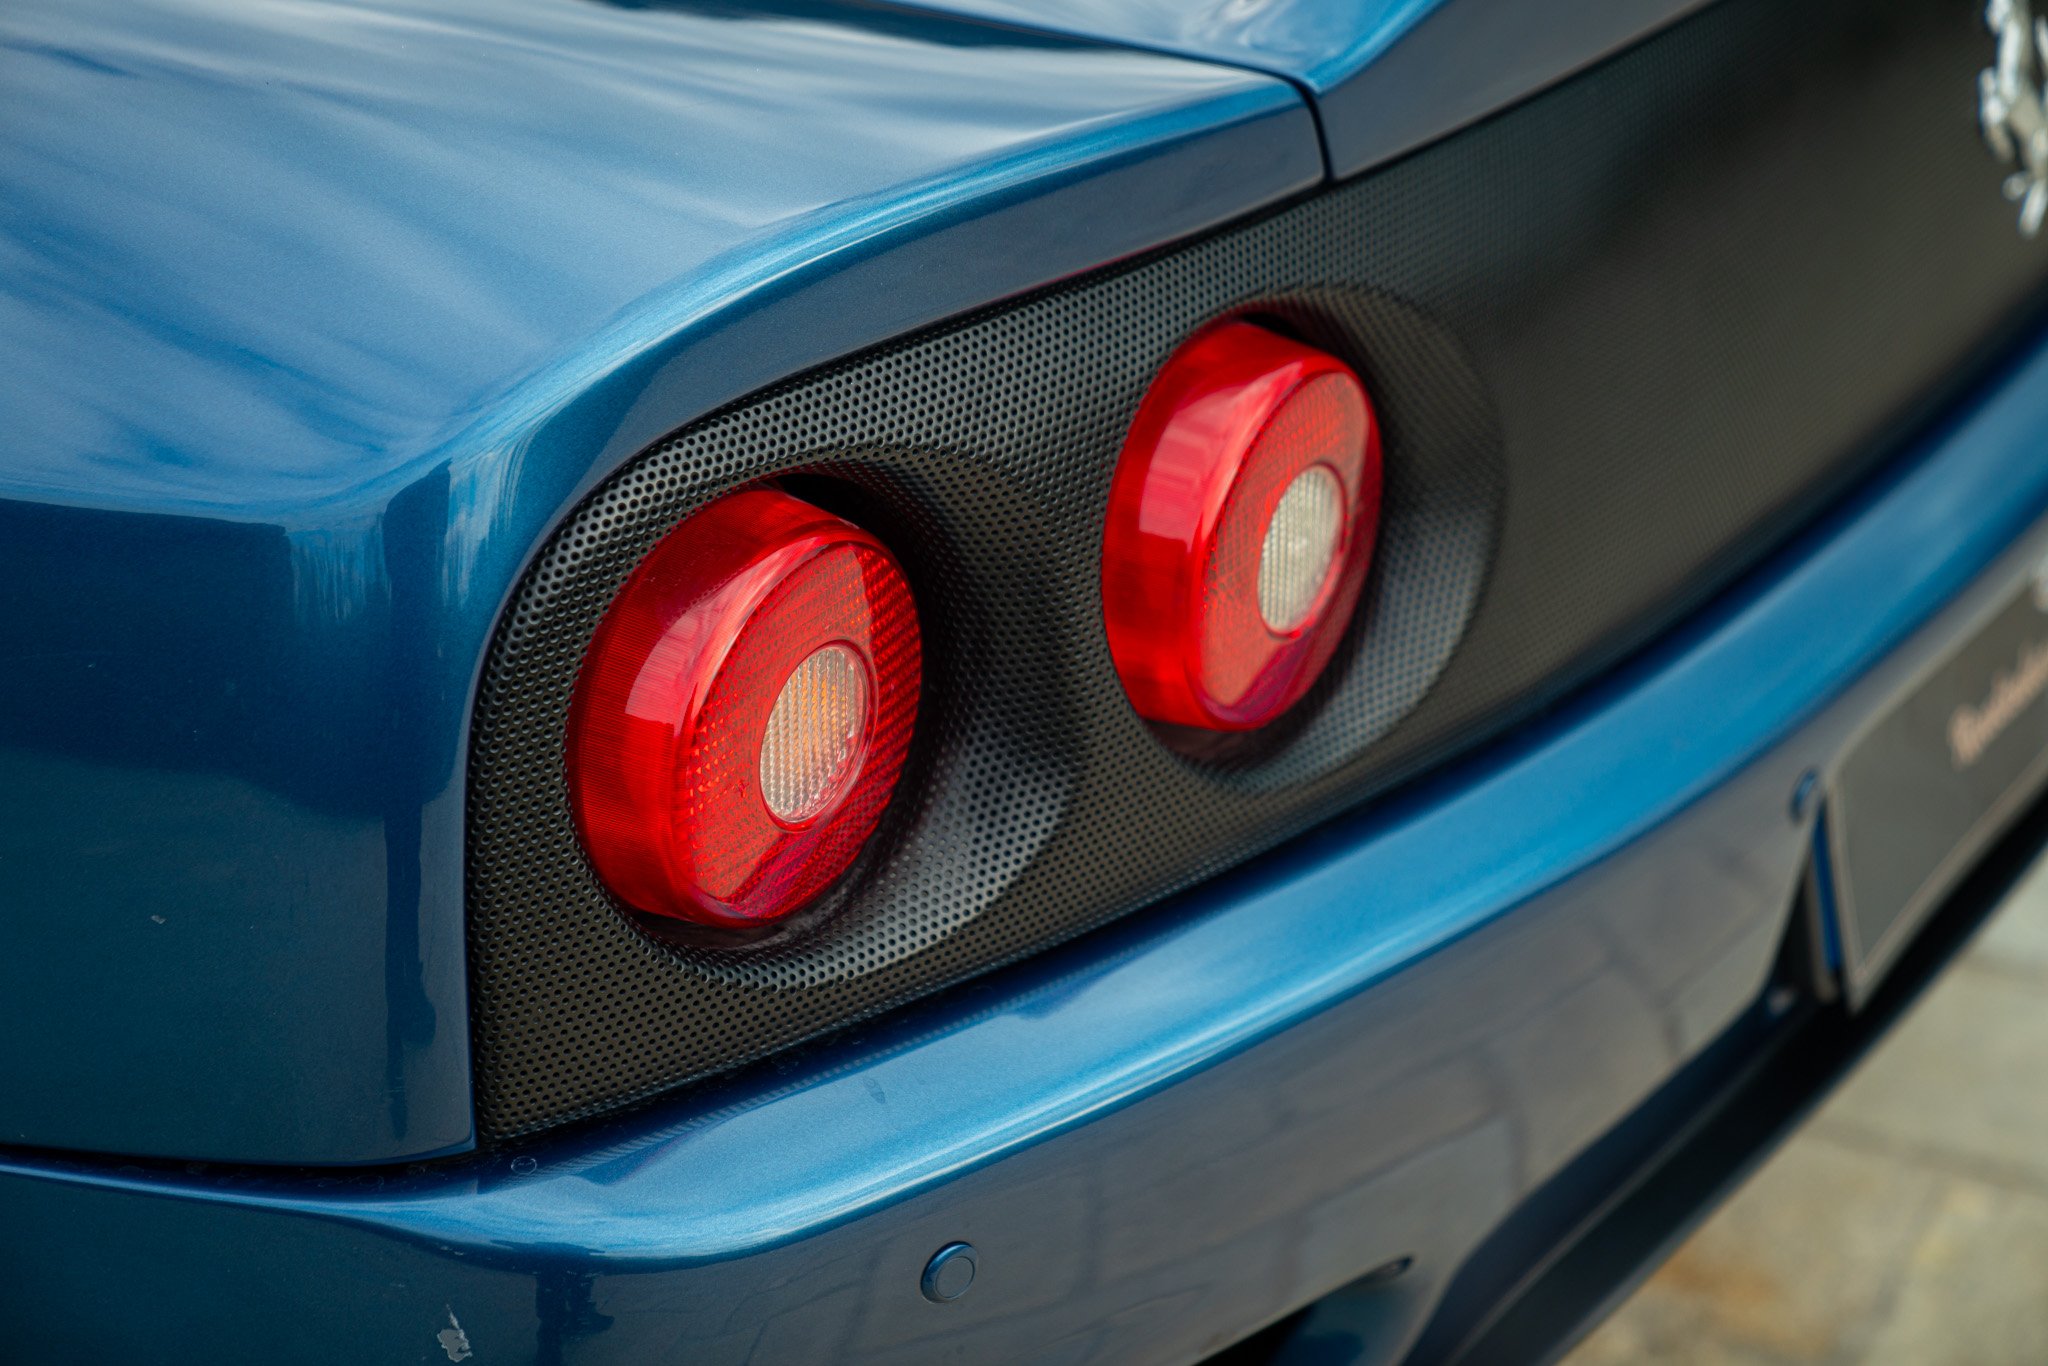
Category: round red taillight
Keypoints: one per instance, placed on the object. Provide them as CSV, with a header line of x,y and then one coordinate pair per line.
x,y
1241,522
743,712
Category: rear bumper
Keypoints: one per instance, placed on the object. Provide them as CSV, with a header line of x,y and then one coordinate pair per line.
x,y
1370,1046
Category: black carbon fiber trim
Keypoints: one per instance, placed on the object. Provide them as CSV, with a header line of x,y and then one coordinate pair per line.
x,y
1623,337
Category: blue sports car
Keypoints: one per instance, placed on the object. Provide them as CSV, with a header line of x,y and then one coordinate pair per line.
x,y
797,681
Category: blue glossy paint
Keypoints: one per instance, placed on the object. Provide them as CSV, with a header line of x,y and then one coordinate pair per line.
x,y
1387,76
318,315
1344,1054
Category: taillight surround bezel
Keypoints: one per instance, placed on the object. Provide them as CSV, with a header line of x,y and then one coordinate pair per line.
x,y
1024,733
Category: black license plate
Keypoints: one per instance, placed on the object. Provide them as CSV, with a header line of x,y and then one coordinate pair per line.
x,y
1935,780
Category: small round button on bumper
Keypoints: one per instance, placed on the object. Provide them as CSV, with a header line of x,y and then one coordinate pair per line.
x,y
948,1274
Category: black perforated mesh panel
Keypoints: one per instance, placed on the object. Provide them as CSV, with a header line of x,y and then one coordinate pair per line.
x,y
1622,337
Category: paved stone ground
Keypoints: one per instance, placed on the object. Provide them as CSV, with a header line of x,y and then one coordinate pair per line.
x,y
1907,1223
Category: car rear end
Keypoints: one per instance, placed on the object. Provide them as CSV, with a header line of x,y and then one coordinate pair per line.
x,y
1689,708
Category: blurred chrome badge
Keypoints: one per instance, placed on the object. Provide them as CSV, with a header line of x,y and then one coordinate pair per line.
x,y
2012,104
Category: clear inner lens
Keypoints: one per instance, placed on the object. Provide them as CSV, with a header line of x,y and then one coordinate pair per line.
x,y
1301,540
814,733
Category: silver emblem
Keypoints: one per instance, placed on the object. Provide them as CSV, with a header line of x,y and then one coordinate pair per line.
x,y
2012,104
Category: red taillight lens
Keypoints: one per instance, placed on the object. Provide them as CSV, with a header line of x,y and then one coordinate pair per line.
x,y
743,712
1241,522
